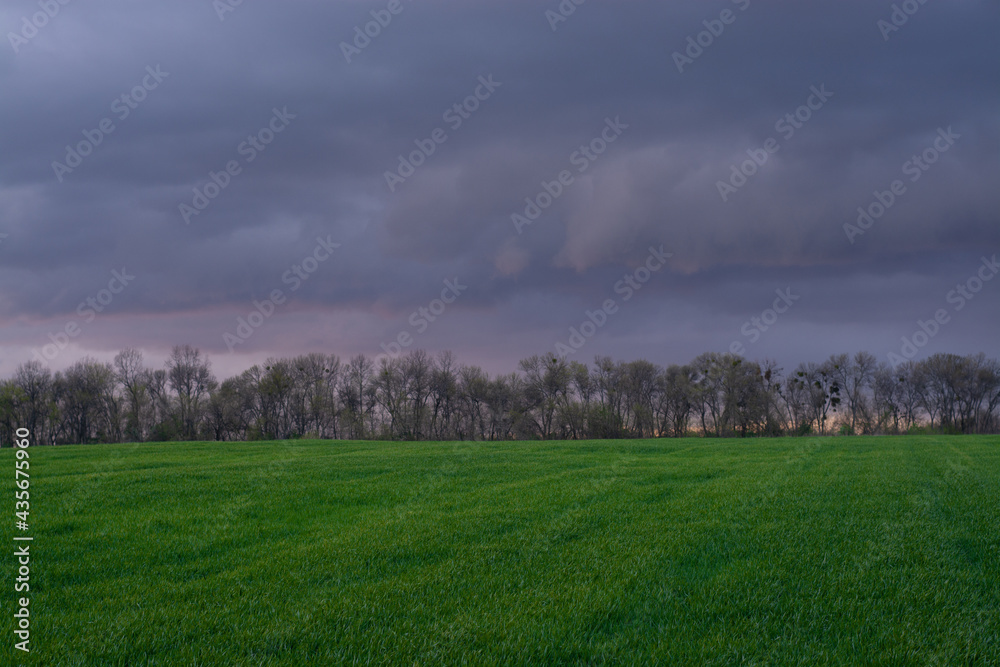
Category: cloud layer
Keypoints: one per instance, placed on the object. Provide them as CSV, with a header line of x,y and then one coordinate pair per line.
x,y
486,153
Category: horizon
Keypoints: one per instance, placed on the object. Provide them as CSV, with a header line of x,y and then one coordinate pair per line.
x,y
224,371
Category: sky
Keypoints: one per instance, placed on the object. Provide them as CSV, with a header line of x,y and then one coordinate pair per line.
x,y
641,179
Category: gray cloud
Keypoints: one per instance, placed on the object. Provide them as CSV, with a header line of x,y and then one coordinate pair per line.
x,y
324,175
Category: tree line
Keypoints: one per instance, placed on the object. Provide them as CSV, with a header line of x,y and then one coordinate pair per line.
x,y
417,396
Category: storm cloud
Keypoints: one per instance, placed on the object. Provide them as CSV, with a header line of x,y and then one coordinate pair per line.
x,y
749,136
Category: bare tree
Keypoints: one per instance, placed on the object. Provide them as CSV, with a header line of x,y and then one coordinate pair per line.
x,y
886,413
35,384
709,390
854,377
444,397
676,400
546,387
11,399
417,370
87,403
134,378
191,380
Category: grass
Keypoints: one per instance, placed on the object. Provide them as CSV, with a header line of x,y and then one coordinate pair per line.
x,y
806,551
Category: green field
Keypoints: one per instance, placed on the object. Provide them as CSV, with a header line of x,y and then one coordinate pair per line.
x,y
811,551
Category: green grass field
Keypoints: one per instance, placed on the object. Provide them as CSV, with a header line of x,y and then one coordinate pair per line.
x,y
806,551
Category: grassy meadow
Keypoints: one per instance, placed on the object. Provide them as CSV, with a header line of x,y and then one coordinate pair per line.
x,y
795,551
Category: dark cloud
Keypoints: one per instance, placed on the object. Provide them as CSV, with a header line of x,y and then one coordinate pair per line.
x,y
323,177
